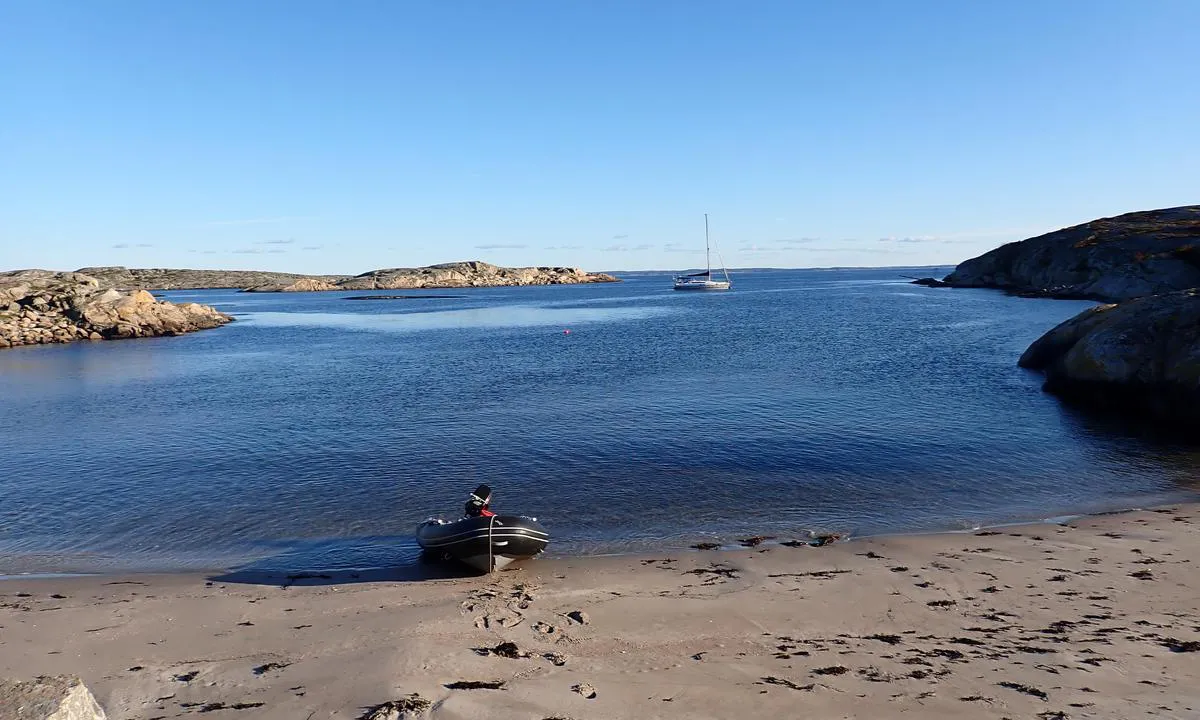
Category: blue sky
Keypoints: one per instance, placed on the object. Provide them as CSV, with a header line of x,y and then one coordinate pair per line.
x,y
346,136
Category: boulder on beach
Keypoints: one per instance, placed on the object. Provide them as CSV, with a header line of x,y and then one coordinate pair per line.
x,y
1110,259
48,698
1141,356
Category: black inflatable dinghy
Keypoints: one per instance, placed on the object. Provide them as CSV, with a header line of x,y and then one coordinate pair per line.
x,y
484,543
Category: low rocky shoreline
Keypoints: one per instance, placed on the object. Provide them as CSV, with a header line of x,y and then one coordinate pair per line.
x,y
123,278
40,307
447,275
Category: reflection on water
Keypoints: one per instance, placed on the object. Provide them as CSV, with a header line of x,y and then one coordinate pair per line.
x,y
482,317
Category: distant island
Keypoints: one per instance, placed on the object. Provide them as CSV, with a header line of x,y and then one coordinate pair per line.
x,y
1139,353
468,274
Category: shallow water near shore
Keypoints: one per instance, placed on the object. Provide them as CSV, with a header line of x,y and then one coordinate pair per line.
x,y
315,433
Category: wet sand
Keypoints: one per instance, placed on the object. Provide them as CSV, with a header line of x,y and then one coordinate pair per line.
x,y
1099,618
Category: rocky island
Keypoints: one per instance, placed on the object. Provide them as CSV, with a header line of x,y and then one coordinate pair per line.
x,y
469,274
41,307
1140,352
447,275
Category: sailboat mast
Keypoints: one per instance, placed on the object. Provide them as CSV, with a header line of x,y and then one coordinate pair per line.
x,y
707,261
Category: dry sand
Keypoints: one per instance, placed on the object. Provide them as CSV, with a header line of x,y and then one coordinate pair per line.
x,y
1096,619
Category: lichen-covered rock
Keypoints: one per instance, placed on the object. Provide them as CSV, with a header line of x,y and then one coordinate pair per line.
x,y
48,698
39,308
1111,259
1141,356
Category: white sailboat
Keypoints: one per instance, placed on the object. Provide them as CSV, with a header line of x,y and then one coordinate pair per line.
x,y
704,280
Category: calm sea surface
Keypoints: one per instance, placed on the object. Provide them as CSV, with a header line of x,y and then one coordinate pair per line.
x,y
315,432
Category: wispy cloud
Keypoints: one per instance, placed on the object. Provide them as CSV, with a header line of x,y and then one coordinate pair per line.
x,y
677,248
990,233
248,251
564,247
965,236
143,245
289,241
619,237
121,246
256,221
924,239
311,247
797,241
759,249
873,249
500,246
276,251
625,248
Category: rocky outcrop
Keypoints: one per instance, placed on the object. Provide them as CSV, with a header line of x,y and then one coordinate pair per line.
x,y
301,285
123,278
1111,259
48,698
469,274
40,307
1141,356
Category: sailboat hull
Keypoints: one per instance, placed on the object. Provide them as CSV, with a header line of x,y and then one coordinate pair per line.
x,y
702,285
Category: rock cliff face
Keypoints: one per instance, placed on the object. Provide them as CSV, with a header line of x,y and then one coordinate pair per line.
x,y
1111,259
41,307
1141,356
469,274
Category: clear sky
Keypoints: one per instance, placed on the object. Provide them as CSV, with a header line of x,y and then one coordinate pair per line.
x,y
348,135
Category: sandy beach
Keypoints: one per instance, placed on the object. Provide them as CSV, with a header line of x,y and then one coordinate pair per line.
x,y
1097,618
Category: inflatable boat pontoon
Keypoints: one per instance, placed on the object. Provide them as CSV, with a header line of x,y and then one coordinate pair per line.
x,y
484,543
